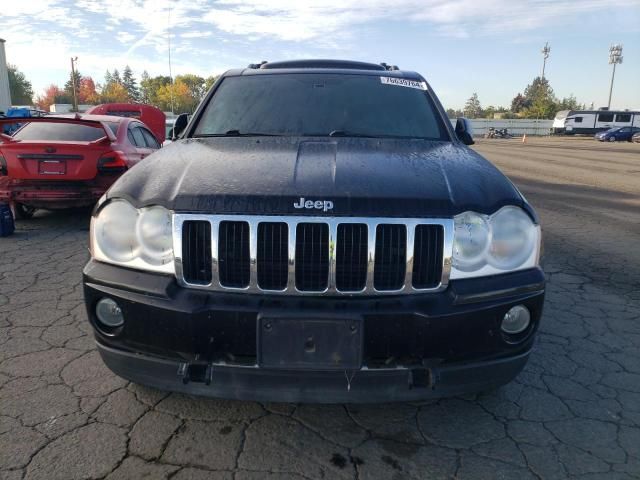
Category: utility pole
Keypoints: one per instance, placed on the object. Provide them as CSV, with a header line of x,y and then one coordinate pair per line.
x,y
169,45
73,82
545,54
615,57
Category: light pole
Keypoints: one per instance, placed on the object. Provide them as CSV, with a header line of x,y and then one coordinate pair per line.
x,y
545,54
615,57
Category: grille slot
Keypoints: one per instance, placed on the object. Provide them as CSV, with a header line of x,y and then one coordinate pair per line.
x,y
196,252
427,256
273,255
391,257
312,257
351,257
233,254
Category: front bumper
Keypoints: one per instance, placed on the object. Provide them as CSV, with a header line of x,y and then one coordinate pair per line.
x,y
414,346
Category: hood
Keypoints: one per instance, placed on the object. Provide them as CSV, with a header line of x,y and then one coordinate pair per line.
x,y
360,177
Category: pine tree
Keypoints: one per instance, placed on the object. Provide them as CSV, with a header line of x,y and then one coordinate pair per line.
x,y
129,83
472,108
108,78
145,88
115,77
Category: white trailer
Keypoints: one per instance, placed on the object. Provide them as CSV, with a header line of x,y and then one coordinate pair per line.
x,y
570,122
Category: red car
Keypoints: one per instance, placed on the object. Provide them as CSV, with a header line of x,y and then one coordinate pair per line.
x,y
61,162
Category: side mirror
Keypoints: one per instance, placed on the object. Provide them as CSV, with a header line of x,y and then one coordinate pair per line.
x,y
464,131
179,125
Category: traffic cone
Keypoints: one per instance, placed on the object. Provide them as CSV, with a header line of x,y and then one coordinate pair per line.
x,y
524,138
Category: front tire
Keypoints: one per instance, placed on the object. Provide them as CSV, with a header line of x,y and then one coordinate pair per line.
x,y
24,212
612,139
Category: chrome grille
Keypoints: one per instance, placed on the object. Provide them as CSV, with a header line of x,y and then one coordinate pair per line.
x,y
300,255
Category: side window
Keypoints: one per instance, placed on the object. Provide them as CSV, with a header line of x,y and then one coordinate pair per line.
x,y
150,139
578,119
605,117
130,137
623,117
138,138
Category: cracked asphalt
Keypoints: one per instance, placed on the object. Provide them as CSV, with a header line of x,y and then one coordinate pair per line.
x,y
573,412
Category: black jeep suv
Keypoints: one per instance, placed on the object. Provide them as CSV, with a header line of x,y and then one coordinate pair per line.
x,y
318,233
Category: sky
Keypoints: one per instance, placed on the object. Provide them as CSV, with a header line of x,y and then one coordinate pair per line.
x,y
491,47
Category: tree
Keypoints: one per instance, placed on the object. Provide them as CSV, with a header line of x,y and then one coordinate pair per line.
x,y
451,113
87,94
145,91
115,77
208,83
473,109
149,88
108,78
196,86
20,88
177,96
519,103
570,103
68,87
130,85
114,93
52,94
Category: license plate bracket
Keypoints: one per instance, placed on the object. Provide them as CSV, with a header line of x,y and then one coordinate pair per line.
x,y
52,167
313,344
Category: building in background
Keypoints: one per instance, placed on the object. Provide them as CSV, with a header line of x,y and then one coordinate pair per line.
x,y
5,96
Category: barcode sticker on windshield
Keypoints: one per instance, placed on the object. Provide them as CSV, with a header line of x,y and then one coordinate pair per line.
x,y
403,82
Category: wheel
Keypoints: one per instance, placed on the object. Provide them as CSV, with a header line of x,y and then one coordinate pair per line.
x,y
612,139
24,212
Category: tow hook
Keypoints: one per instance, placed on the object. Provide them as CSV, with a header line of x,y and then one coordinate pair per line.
x,y
196,372
420,377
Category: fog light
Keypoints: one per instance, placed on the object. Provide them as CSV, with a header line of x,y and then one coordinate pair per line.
x,y
516,320
109,313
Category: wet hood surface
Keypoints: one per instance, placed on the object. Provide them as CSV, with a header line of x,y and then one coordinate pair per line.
x,y
361,177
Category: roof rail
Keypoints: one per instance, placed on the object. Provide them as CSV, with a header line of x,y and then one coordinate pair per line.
x,y
256,66
322,63
389,67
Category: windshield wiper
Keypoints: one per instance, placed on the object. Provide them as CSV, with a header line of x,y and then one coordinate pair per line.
x,y
236,133
347,133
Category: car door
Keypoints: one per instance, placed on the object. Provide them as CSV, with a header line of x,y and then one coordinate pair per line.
x,y
136,137
150,139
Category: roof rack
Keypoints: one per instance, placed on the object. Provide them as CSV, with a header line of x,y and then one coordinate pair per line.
x,y
319,63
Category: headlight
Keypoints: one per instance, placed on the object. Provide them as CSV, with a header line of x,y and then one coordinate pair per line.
x,y
470,241
142,239
484,245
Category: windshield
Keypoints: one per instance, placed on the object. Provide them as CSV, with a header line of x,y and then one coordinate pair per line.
x,y
321,104
71,132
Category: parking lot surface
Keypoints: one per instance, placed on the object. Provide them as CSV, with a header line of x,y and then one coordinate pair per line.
x,y
573,412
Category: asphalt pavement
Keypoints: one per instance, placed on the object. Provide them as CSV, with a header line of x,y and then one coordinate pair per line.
x,y
573,412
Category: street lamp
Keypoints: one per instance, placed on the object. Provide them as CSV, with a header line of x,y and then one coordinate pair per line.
x,y
545,54
615,57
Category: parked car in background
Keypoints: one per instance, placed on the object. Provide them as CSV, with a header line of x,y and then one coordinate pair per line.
x,y
617,134
62,162
152,117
